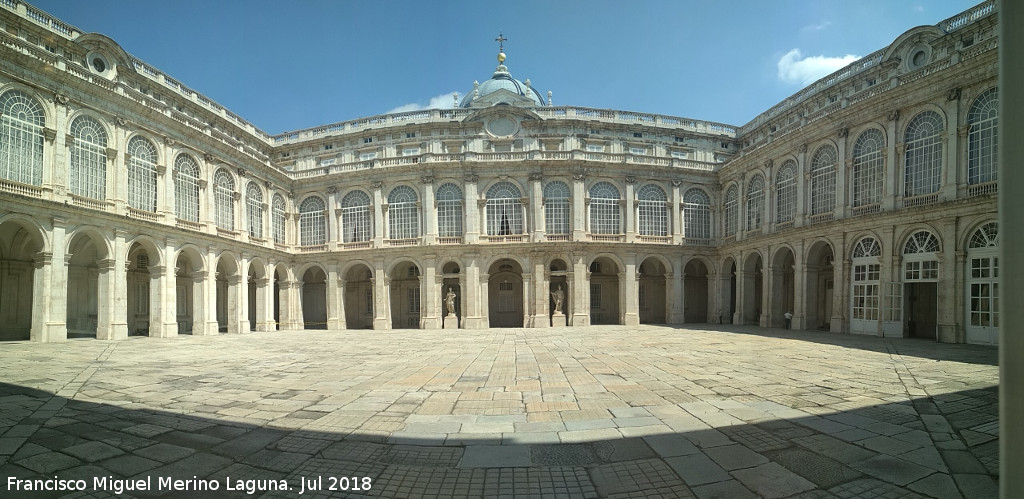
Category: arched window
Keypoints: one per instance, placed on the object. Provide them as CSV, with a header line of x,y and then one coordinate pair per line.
x,y
865,294
224,200
867,168
88,169
355,217
141,174
21,138
449,211
556,208
504,210
785,192
923,171
604,209
983,120
823,180
653,214
186,188
696,214
731,209
277,219
254,210
755,203
403,219
920,262
312,222
983,285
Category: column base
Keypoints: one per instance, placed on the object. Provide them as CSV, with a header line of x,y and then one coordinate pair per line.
x,y
543,320
580,320
335,325
380,323
559,319
475,323
430,323
451,321
631,320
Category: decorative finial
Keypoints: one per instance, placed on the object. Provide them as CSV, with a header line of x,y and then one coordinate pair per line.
x,y
501,47
549,97
455,98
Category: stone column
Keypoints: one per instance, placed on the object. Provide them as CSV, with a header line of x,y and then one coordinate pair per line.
x,y
472,225
676,295
286,298
429,211
951,154
430,299
528,304
801,186
773,295
892,162
629,306
485,299
50,288
111,315
264,304
579,217
298,315
199,302
536,191
948,328
378,215
579,293
331,213
236,291
739,314
159,303
335,298
628,207
381,297
210,296
767,279
840,293
675,212
799,289
472,310
844,168
542,296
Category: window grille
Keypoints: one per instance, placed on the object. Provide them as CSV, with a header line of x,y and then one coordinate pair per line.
x,y
605,214
823,180
923,167
403,217
254,210
224,200
785,192
141,174
312,221
595,296
21,138
355,217
506,297
449,211
556,208
867,168
504,210
653,213
414,300
696,214
866,291
88,171
369,301
921,261
755,203
982,140
921,242
867,247
277,219
986,236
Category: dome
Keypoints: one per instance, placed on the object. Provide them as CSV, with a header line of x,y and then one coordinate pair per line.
x,y
520,94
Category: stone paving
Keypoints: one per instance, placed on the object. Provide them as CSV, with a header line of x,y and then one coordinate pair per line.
x,y
605,411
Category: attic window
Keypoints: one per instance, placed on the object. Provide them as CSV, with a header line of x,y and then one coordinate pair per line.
x,y
99,64
638,135
919,58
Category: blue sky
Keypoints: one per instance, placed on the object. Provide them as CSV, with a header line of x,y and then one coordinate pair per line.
x,y
290,65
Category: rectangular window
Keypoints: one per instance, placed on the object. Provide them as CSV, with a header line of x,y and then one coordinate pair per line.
x,y
367,156
894,302
369,301
638,151
595,296
414,301
410,151
642,297
679,154
595,148
328,162
506,300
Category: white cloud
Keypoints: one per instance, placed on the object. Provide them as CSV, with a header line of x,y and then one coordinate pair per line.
x,y
816,27
794,69
443,101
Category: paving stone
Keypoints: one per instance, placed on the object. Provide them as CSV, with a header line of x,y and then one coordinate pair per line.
x,y
976,485
191,440
730,489
48,462
563,455
129,465
648,476
670,445
697,469
772,480
962,462
495,456
892,469
833,448
93,451
820,470
870,488
165,453
733,457
888,445
627,449
938,485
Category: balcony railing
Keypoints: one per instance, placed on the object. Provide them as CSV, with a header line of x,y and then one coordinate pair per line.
x,y
511,238
19,188
449,240
655,239
189,225
357,245
821,217
866,209
95,204
312,248
922,200
607,238
142,215
983,189
556,237
696,241
410,241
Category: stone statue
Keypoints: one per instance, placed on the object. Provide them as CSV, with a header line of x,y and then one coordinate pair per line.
x,y
559,296
449,301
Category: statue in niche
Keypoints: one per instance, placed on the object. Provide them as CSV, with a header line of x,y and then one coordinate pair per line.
x,y
558,296
449,301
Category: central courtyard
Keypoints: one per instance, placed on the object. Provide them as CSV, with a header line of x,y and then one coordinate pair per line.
x,y
603,411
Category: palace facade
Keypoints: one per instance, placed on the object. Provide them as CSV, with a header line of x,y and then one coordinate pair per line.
x,y
131,204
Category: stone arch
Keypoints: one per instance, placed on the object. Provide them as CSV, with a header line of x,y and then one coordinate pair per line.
x,y
47,104
652,289
505,300
729,308
452,273
22,248
696,288
406,289
91,269
313,295
819,285
145,262
606,305
257,281
360,294
782,299
226,290
752,286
